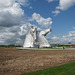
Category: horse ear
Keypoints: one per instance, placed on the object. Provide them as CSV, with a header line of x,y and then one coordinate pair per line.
x,y
32,26
36,28
50,30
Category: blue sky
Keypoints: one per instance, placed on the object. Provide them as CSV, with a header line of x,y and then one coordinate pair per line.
x,y
17,16
62,23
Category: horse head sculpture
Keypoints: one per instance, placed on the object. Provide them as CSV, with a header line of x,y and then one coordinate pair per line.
x,y
30,39
33,33
42,40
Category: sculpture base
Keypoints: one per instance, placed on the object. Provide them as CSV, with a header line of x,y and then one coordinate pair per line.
x,y
45,46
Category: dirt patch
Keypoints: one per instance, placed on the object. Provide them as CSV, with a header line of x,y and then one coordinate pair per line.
x,y
16,62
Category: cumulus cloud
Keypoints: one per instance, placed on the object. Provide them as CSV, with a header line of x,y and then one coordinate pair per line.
x,y
65,39
56,12
11,13
41,21
70,37
6,34
55,37
50,0
14,35
30,7
23,2
12,21
13,26
6,3
73,27
72,33
65,4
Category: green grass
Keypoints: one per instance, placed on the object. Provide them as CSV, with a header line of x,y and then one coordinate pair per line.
x,y
67,69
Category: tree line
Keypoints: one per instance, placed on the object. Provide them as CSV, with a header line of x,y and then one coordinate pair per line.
x,y
10,46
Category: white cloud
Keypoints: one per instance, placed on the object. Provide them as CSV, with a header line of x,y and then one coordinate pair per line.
x,y
23,2
70,37
11,13
13,27
13,35
65,39
72,33
11,21
55,37
50,0
6,3
5,34
56,12
41,21
65,4
73,27
30,7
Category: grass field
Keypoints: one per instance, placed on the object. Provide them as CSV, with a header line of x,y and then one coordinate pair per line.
x,y
67,69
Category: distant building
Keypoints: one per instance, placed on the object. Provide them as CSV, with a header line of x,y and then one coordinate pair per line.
x,y
67,45
69,42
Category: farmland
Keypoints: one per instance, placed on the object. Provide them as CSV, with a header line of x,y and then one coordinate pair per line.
x,y
15,61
